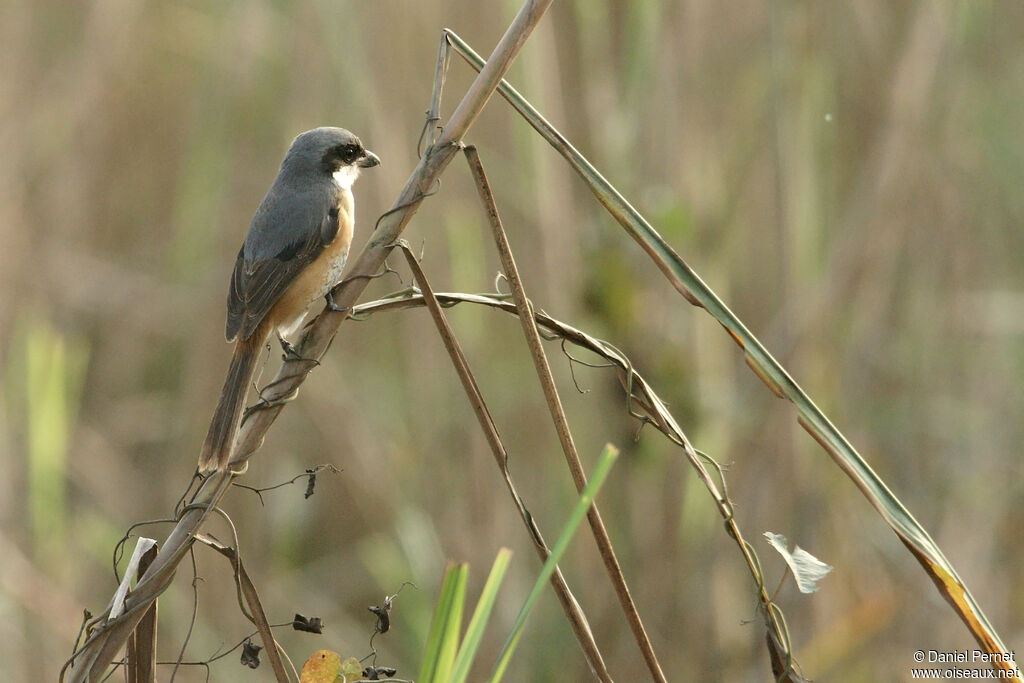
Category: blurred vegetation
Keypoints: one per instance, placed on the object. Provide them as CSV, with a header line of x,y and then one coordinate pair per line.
x,y
845,175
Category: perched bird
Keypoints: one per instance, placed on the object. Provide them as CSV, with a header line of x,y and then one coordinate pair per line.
x,y
293,255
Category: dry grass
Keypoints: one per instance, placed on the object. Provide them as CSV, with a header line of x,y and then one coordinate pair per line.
x,y
846,178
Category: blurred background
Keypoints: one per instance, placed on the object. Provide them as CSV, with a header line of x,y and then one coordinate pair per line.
x,y
846,176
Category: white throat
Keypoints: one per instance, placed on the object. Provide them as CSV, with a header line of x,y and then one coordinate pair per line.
x,y
346,175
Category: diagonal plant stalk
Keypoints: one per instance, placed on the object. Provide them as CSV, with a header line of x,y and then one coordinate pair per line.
x,y
652,410
255,613
573,612
547,382
107,637
140,650
585,502
694,290
389,227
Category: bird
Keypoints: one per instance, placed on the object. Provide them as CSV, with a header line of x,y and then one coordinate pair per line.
x,y
294,254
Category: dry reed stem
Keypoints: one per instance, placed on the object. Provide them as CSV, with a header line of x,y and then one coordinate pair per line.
x,y
547,382
92,659
256,614
140,650
573,612
639,392
686,281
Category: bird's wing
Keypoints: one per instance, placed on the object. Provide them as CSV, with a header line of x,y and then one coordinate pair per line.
x,y
284,238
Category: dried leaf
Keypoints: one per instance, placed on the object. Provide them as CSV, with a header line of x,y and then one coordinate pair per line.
x,y
251,654
308,625
807,569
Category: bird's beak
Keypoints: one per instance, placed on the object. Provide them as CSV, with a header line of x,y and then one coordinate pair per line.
x,y
368,160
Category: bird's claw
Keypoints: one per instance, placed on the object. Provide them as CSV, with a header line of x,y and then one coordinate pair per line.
x,y
332,306
290,352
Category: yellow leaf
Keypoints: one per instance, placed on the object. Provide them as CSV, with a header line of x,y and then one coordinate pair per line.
x,y
323,666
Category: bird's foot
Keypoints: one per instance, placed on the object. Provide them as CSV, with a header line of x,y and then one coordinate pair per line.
x,y
333,306
290,352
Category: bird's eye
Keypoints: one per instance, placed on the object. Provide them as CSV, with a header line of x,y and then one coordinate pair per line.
x,y
350,152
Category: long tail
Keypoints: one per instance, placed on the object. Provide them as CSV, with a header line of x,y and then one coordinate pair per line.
x,y
216,451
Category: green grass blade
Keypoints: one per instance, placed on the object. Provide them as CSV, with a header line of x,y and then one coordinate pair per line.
x,y
443,638
478,622
604,465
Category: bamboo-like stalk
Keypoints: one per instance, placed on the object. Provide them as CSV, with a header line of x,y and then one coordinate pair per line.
x,y
90,662
390,226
